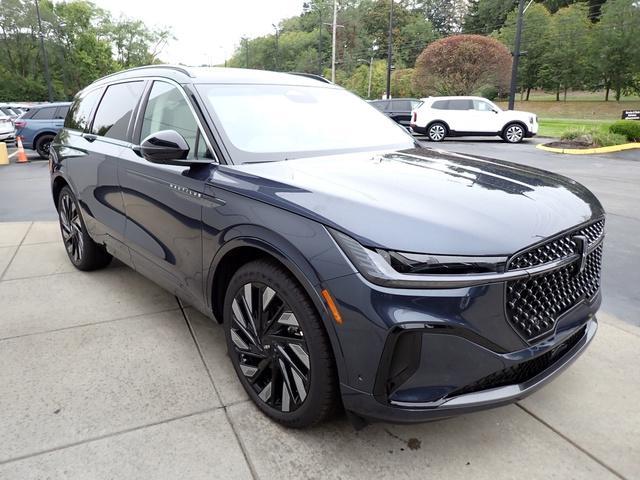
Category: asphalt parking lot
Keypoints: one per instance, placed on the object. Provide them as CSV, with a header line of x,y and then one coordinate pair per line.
x,y
105,375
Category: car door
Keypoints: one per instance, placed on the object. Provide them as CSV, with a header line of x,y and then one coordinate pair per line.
x,y
401,112
484,118
460,112
91,151
164,202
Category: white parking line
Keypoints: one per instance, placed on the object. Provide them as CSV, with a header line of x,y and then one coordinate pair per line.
x,y
14,153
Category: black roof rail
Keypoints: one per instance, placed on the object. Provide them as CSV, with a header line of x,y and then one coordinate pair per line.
x,y
313,76
177,68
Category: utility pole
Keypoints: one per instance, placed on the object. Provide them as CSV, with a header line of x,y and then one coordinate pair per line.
x,y
516,57
277,52
370,72
389,50
246,51
333,48
45,59
320,42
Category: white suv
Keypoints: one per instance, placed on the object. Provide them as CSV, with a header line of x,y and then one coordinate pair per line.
x,y
440,117
7,131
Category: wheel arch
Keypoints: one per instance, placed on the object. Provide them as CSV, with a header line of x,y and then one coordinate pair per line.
x,y
57,185
438,121
512,122
243,249
40,134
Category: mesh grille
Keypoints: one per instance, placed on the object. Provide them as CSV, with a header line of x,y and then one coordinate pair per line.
x,y
524,371
556,249
534,304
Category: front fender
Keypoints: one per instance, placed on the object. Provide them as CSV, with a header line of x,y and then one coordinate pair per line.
x,y
278,247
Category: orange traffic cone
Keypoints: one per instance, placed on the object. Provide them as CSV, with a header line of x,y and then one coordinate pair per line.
x,y
22,157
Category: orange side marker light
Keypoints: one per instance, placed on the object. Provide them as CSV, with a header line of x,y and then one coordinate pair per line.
x,y
332,306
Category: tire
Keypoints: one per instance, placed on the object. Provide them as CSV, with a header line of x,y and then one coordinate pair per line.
x,y
83,252
437,131
42,145
513,133
280,351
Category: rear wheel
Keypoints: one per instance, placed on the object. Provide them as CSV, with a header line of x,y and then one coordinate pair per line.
x,y
83,252
43,144
513,133
437,131
278,345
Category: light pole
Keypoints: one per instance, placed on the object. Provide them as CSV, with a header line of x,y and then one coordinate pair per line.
x,y
389,51
45,59
516,57
333,48
246,51
277,52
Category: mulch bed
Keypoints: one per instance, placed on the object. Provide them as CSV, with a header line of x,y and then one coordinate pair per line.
x,y
569,144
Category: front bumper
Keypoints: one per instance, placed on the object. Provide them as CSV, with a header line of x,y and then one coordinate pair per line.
x,y
416,355
371,408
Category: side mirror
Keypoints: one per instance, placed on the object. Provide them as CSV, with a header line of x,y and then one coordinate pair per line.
x,y
166,147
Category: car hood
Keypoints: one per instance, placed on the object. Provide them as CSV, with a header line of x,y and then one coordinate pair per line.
x,y
420,200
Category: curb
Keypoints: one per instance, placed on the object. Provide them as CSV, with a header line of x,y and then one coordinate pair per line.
x,y
586,151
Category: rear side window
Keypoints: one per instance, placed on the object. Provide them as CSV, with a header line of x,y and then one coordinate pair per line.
x,y
461,104
382,106
402,105
45,113
81,109
440,104
115,109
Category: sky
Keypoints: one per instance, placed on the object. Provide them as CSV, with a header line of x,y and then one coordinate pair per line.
x,y
206,31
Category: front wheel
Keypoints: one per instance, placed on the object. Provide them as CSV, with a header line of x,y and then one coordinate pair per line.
x,y
83,252
437,131
278,346
513,133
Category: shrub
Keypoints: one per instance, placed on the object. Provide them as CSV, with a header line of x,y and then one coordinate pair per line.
x,y
489,92
462,64
593,137
630,129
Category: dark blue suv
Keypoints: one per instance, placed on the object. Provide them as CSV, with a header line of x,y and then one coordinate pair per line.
x,y
348,265
39,125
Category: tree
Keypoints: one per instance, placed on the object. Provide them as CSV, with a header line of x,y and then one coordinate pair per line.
x,y
566,63
79,39
485,16
616,47
462,65
534,46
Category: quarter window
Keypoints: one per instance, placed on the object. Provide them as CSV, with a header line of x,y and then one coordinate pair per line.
x,y
115,109
440,104
44,113
167,109
81,109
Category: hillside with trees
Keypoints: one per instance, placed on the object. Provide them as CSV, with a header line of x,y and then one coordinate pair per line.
x,y
566,45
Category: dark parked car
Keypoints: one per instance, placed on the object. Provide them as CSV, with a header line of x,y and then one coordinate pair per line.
x,y
347,265
39,125
398,109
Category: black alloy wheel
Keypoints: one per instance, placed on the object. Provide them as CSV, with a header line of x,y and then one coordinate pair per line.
x,y
278,346
43,145
83,252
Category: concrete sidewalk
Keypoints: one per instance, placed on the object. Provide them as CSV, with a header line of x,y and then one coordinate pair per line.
x,y
103,375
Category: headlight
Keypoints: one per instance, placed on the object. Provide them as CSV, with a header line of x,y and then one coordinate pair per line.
x,y
412,270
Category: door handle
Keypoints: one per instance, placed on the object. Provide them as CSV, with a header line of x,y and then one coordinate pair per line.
x,y
90,137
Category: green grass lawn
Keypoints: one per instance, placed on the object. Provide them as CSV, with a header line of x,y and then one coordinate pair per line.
x,y
554,127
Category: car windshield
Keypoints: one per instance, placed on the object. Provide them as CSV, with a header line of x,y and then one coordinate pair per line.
x,y
261,123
